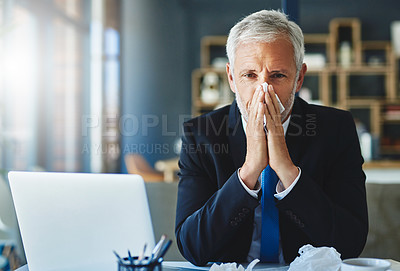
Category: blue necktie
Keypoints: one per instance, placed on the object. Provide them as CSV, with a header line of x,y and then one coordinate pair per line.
x,y
269,251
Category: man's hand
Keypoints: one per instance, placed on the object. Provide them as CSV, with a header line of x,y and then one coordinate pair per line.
x,y
278,154
257,154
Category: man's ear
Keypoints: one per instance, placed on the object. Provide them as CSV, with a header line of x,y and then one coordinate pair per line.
x,y
300,80
229,73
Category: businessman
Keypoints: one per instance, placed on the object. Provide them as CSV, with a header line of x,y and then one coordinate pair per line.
x,y
260,182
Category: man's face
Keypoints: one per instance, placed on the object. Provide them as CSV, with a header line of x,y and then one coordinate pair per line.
x,y
259,62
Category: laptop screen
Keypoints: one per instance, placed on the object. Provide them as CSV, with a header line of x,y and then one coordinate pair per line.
x,y
73,221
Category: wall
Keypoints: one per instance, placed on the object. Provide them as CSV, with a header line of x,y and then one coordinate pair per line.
x,y
375,16
161,46
153,89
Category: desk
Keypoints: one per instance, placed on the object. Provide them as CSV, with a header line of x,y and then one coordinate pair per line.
x,y
380,172
383,175
186,266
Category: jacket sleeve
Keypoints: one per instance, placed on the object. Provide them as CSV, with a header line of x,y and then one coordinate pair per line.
x,y
208,215
333,211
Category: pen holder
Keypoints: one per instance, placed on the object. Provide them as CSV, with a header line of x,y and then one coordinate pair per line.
x,y
143,265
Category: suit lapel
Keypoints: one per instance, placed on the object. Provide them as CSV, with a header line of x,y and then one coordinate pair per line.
x,y
295,137
237,138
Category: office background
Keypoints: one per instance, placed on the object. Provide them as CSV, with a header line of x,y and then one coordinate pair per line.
x,y
83,82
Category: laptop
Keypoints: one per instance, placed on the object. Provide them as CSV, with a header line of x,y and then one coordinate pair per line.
x,y
74,221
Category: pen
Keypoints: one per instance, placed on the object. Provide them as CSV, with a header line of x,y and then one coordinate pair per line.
x,y
161,252
118,257
142,254
164,249
130,257
158,246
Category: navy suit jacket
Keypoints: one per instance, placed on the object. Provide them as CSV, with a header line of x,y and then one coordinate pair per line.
x,y
327,206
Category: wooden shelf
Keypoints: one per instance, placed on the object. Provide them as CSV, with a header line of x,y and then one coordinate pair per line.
x,y
391,112
198,106
333,80
353,69
392,149
203,105
381,164
316,38
206,43
384,46
335,27
361,51
317,71
365,69
391,121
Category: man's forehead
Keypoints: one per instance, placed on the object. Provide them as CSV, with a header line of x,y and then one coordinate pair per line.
x,y
261,41
249,53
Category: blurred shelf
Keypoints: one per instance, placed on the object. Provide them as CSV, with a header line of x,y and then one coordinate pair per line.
x,y
390,121
386,164
345,87
390,149
203,105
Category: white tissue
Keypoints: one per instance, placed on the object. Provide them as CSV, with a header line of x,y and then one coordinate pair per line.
x,y
281,107
233,266
316,259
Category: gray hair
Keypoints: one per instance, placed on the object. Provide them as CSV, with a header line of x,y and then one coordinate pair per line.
x,y
266,26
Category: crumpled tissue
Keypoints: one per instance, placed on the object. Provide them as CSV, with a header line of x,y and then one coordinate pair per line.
x,y
316,259
233,266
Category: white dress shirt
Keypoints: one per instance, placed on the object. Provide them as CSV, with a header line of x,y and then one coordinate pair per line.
x,y
281,192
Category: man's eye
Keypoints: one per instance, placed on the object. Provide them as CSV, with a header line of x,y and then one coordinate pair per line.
x,y
250,75
278,75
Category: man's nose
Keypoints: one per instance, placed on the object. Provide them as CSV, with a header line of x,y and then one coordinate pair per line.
x,y
263,78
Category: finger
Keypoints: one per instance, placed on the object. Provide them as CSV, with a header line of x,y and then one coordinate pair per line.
x,y
261,97
260,114
270,104
268,117
273,105
274,99
255,126
256,115
252,109
255,96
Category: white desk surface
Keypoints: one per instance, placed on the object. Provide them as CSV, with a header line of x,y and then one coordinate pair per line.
x,y
186,266
171,265
383,176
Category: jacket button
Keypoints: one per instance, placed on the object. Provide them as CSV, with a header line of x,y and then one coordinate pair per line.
x,y
242,215
233,223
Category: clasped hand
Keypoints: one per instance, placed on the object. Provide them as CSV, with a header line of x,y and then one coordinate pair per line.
x,y
261,149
